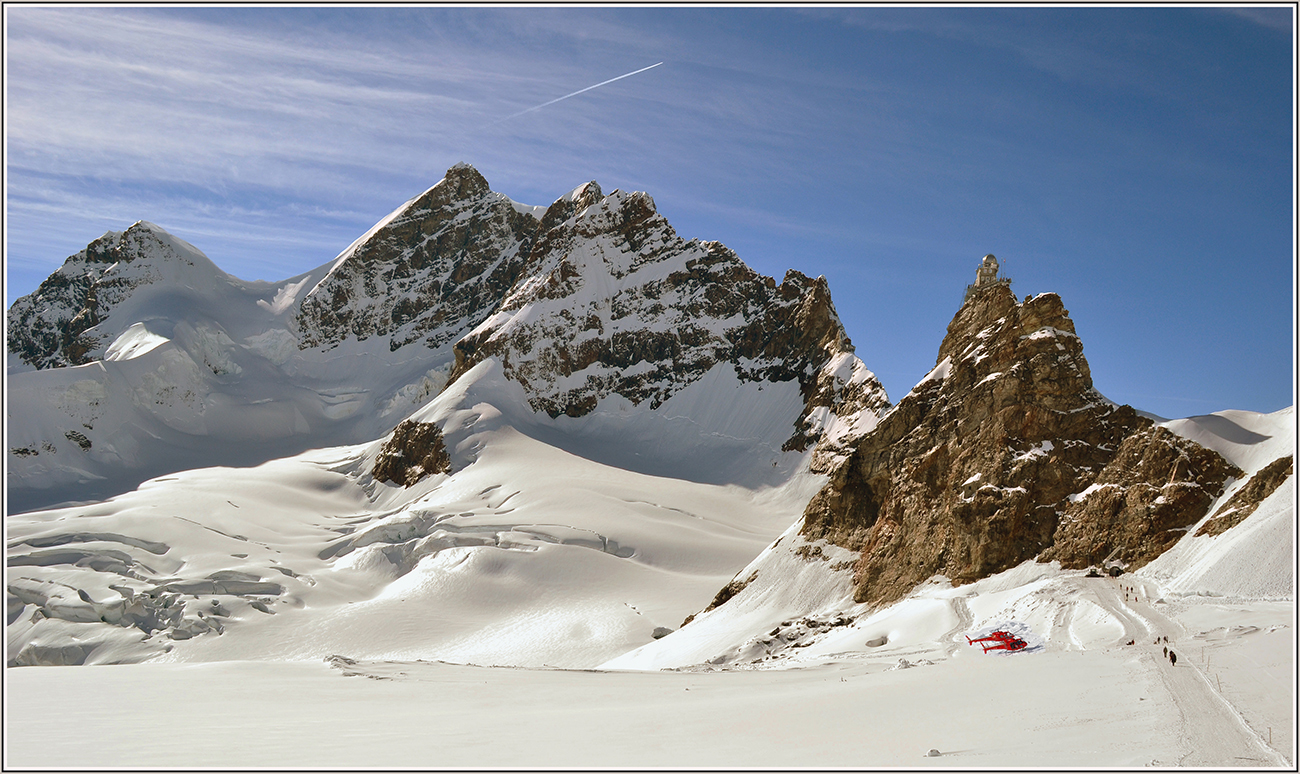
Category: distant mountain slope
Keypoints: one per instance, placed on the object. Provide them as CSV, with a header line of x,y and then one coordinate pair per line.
x,y
1245,545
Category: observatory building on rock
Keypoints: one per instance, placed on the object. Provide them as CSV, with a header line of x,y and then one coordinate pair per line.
x,y
986,275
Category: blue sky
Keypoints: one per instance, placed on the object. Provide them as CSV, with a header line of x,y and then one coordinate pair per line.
x,y
1138,161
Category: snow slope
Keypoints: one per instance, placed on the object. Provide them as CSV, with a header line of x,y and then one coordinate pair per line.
x,y
1104,706
524,553
528,555
850,714
1255,559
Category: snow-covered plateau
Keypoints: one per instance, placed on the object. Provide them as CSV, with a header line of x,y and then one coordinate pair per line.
x,y
518,487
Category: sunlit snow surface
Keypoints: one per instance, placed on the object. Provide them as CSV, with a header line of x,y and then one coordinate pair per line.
x,y
526,553
571,544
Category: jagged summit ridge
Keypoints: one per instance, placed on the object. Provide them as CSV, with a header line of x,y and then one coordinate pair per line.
x,y
593,298
598,297
613,301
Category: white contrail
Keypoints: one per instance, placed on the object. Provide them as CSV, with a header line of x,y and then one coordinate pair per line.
x,y
579,91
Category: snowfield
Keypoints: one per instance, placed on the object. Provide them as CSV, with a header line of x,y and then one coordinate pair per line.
x,y
506,615
525,553
1228,702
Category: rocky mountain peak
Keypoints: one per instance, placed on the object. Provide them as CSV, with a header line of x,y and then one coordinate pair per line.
x,y
815,314
992,306
1005,452
614,302
582,197
461,183
142,240
1032,344
60,323
431,270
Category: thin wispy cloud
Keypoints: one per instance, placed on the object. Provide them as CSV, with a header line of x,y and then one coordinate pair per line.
x,y
190,95
180,100
227,109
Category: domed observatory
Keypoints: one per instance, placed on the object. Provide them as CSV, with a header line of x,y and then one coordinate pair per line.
x,y
986,275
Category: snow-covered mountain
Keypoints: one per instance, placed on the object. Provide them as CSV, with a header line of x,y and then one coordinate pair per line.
x,y
500,434
591,340
139,358
169,364
118,282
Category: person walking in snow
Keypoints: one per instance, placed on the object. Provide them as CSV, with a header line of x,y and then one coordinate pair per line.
x,y
1173,658
1166,652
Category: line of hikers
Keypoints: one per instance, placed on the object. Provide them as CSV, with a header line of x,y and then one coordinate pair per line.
x,y
1169,654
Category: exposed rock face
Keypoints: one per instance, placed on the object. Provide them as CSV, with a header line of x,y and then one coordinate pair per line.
x,y
612,301
56,325
1155,486
413,451
1004,453
432,271
1247,499
730,590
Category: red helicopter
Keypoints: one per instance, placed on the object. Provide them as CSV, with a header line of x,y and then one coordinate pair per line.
x,y
1004,640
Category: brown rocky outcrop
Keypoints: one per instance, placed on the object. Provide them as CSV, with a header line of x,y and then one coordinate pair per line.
x,y
1246,499
1004,453
1141,503
414,451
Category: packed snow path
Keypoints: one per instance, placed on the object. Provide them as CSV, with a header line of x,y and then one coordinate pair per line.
x,y
1211,728
955,639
